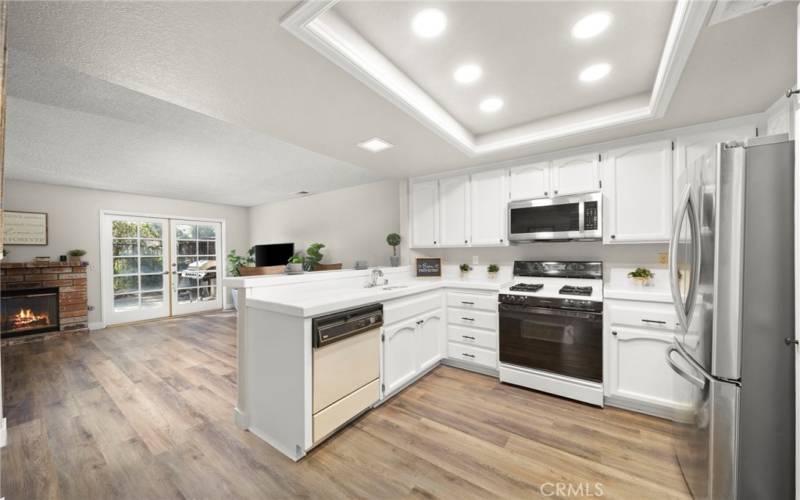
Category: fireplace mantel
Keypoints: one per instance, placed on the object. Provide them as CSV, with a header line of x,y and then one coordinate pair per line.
x,y
70,281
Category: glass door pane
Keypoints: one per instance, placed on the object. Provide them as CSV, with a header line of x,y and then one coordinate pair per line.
x,y
136,270
195,267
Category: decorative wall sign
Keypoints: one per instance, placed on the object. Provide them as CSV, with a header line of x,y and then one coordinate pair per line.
x,y
24,228
429,266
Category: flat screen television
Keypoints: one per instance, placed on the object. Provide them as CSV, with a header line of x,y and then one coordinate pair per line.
x,y
276,254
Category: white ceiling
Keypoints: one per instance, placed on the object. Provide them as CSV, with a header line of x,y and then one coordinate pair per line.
x,y
234,63
527,53
70,129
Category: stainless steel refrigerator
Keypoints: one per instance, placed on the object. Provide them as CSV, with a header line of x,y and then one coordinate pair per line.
x,y
732,280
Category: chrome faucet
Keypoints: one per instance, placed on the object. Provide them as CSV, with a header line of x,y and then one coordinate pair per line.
x,y
373,278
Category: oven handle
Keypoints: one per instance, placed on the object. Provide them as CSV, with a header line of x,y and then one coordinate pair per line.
x,y
551,312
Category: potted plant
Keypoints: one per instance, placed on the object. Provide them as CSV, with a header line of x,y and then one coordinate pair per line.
x,y
75,256
492,269
465,269
236,262
641,276
313,256
393,239
295,265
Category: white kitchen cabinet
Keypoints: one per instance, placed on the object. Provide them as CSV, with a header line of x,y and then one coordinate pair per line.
x,y
399,355
424,213
430,339
637,192
472,329
528,182
454,211
488,202
575,174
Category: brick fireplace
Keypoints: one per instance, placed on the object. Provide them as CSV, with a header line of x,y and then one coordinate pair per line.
x,y
42,297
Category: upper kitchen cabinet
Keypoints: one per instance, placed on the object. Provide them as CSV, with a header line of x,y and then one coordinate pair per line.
x,y
637,193
529,181
488,200
575,174
454,211
424,213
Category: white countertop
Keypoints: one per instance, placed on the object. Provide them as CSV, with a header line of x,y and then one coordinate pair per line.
x,y
307,301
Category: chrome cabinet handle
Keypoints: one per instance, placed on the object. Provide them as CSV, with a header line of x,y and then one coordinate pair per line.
x,y
468,337
468,319
468,355
789,341
614,333
653,321
468,303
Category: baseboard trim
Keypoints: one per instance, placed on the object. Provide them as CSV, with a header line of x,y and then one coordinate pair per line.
x,y
465,365
239,418
96,325
294,455
655,410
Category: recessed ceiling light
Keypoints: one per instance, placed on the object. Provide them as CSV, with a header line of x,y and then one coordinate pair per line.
x,y
468,73
375,145
429,23
595,72
491,104
591,25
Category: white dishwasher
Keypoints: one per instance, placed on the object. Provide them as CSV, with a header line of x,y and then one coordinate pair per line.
x,y
346,369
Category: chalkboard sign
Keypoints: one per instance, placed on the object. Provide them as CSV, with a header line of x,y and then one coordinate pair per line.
x,y
429,267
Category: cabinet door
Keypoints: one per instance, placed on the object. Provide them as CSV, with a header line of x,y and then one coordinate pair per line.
x,y
430,339
489,203
530,181
576,174
637,370
399,355
453,211
424,214
638,194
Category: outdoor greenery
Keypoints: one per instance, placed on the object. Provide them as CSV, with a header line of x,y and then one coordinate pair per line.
x,y
393,239
236,261
313,255
465,268
492,268
641,273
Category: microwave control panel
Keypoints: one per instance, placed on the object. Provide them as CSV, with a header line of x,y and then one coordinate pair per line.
x,y
590,216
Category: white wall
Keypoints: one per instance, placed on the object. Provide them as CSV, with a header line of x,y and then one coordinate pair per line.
x,y
351,222
73,217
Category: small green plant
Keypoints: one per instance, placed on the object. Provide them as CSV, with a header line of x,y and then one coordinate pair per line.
x,y
641,273
236,261
465,268
393,239
313,255
76,253
493,268
297,258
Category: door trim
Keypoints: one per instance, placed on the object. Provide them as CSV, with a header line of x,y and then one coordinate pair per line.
x,y
104,256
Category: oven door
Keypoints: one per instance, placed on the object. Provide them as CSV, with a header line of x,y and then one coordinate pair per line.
x,y
568,343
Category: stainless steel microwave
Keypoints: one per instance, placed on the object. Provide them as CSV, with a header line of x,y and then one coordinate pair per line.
x,y
577,217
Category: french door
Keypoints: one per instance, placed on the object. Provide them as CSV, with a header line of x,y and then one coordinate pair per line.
x,y
157,267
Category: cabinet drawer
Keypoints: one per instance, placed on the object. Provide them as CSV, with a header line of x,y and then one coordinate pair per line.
x,y
476,319
465,300
642,314
472,336
332,417
398,310
472,354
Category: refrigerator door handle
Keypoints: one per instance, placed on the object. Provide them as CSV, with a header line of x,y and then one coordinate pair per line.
x,y
684,309
696,381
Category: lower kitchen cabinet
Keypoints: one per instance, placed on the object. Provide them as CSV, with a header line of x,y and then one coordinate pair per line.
x,y
411,347
472,329
637,376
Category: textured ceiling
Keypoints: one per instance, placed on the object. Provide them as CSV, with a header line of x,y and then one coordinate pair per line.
x,y
233,62
67,128
526,50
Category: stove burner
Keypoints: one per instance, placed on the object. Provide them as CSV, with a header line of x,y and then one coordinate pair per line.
x,y
575,290
526,287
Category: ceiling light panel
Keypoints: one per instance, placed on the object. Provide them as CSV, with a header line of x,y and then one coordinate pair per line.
x,y
375,145
429,23
468,73
591,25
595,72
491,104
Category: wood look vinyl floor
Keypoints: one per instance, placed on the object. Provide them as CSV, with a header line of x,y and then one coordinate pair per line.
x,y
145,412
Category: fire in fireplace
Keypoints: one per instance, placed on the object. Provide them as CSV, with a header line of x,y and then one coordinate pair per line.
x,y
24,312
